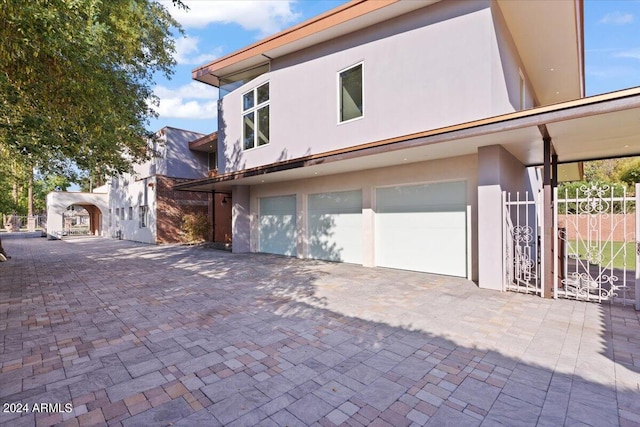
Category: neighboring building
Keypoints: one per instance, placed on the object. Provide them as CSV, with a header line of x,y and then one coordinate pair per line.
x,y
383,133
143,206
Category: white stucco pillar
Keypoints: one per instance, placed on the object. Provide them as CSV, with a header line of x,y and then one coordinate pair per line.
x,y
498,171
241,219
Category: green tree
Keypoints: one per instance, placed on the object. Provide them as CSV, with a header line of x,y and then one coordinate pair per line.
x,y
629,172
76,80
45,184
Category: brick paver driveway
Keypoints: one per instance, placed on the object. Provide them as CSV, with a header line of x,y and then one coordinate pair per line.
x,y
135,335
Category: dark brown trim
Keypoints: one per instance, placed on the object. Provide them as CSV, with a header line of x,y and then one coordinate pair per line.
x,y
204,140
329,19
540,116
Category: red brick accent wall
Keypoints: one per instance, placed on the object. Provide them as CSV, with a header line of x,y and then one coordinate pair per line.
x,y
173,205
604,225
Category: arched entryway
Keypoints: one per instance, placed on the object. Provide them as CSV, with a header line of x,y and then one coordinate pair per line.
x,y
82,219
76,213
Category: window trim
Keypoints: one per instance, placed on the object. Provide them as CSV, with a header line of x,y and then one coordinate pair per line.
x,y
254,110
339,93
143,216
522,89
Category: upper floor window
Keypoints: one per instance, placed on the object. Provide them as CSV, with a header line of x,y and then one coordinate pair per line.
x,y
231,82
523,92
213,160
255,117
350,88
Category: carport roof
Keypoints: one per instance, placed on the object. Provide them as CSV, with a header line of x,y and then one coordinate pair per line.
x,y
595,127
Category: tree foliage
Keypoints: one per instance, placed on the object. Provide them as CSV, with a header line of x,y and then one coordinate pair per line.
x,y
629,171
76,80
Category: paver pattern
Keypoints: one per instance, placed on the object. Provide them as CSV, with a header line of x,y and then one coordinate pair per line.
x,y
138,335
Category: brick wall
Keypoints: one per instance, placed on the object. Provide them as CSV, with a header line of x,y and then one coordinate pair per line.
x,y
607,225
173,205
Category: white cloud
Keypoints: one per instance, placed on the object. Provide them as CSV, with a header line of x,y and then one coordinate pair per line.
x,y
188,51
617,17
191,101
265,16
631,53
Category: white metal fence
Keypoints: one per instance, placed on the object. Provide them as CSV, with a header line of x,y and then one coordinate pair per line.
x,y
596,245
522,224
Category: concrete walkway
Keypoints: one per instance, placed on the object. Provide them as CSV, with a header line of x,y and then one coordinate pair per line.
x,y
135,335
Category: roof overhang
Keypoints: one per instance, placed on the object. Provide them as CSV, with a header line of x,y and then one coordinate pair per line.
x,y
534,25
596,127
345,19
549,38
205,144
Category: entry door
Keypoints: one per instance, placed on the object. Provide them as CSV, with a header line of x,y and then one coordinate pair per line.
x,y
335,226
278,225
222,211
422,228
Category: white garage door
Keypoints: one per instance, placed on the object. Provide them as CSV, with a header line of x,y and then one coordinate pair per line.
x,y
335,226
422,228
278,225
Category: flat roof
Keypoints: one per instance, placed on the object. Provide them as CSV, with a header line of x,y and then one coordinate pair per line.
x,y
557,73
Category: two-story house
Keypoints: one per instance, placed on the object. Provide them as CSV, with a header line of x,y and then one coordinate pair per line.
x,y
143,205
383,133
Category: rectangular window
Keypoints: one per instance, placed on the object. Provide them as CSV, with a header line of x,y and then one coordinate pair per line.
x,y
143,214
350,88
122,214
109,217
255,117
213,160
523,92
231,82
130,213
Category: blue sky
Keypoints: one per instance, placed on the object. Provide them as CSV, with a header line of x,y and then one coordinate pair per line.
x,y
216,28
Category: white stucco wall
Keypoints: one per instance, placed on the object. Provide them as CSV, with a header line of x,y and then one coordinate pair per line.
x,y
453,169
444,64
498,171
131,192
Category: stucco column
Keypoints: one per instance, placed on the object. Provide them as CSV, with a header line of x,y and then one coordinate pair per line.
x,y
498,171
241,219
489,218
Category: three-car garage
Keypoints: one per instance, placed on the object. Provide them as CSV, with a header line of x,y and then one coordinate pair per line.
x,y
419,227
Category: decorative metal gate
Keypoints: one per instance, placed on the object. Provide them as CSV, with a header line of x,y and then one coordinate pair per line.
x,y
522,224
596,251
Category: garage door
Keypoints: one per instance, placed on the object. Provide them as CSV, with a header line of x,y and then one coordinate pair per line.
x,y
335,226
278,225
422,228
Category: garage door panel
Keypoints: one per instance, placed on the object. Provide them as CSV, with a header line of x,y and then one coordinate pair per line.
x,y
423,244
277,225
422,228
335,226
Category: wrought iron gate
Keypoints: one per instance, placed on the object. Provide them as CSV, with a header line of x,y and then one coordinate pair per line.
x,y
596,250
522,224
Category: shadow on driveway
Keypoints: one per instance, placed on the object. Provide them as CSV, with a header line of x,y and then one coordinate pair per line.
x,y
133,334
